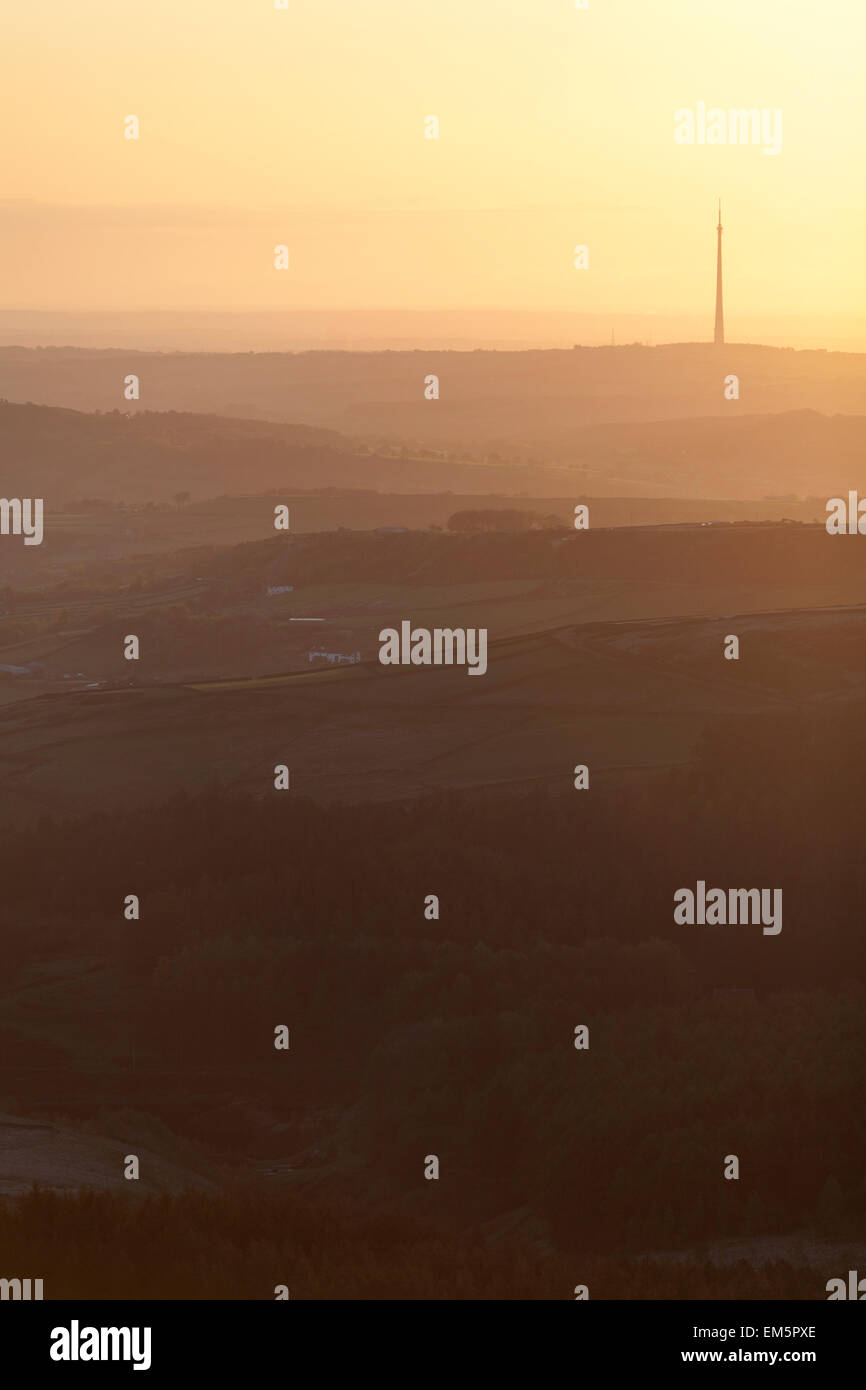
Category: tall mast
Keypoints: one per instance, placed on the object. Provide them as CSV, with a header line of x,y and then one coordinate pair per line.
x,y
719,335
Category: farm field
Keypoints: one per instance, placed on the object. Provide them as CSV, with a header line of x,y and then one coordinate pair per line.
x,y
622,696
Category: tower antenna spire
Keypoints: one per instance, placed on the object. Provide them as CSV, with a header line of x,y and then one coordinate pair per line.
x,y
719,333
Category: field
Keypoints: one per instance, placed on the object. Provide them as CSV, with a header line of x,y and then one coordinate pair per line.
x,y
619,695
154,1036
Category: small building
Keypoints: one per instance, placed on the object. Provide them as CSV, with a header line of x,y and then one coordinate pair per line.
x,y
335,658
280,589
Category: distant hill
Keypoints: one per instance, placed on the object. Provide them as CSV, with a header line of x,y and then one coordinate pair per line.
x,y
612,639
148,456
771,555
520,404
62,455
631,696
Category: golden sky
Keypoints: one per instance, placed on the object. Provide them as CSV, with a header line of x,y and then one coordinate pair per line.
x,y
306,126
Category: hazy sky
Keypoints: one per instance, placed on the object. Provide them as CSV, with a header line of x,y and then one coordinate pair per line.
x,y
306,126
